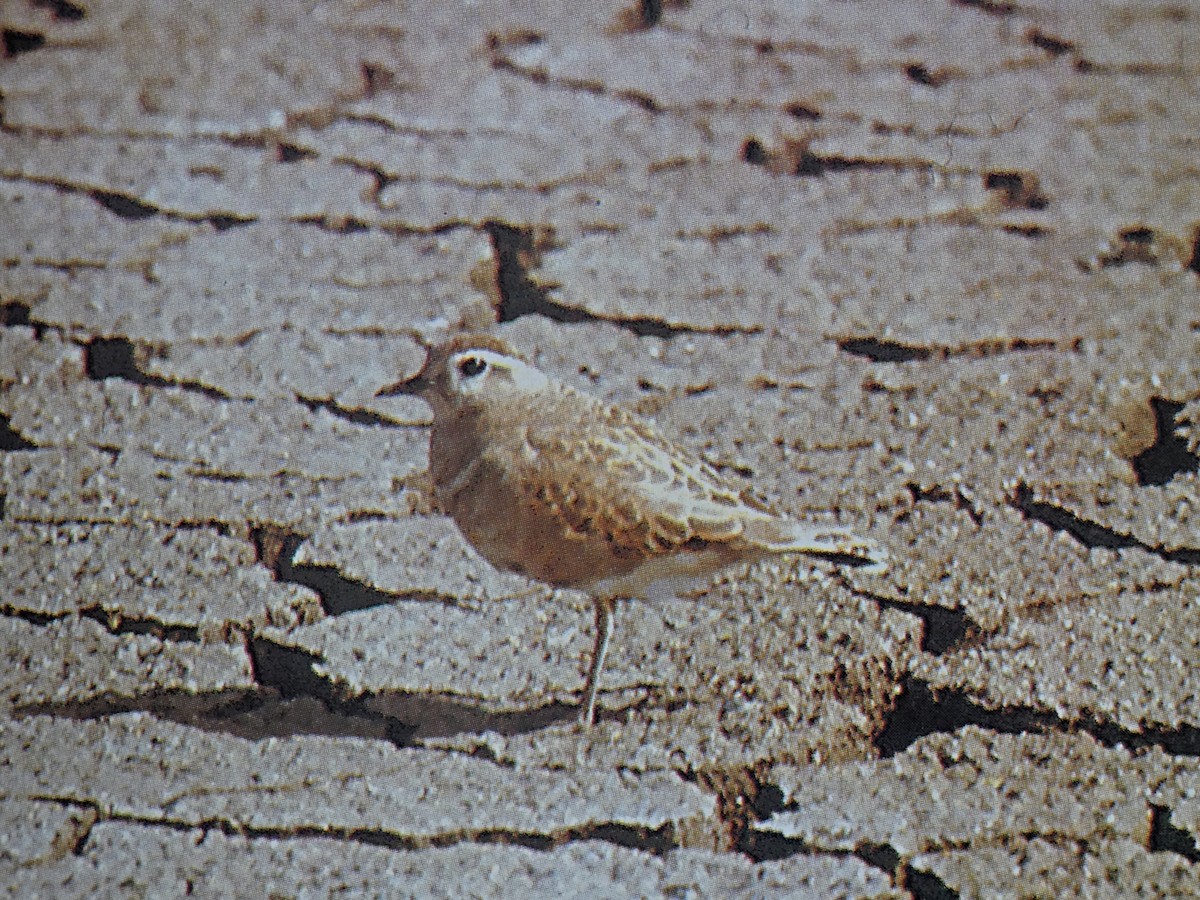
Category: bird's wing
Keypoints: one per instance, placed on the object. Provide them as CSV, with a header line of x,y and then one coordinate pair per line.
x,y
619,478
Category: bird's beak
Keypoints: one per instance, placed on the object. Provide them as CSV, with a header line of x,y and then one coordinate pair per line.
x,y
415,385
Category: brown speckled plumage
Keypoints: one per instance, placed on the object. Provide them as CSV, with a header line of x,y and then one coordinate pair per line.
x,y
556,484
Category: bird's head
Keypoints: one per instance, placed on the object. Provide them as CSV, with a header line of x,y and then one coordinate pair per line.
x,y
469,372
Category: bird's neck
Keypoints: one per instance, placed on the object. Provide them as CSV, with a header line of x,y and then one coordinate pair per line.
x,y
454,445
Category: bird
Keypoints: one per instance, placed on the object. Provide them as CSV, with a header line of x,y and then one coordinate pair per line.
x,y
556,484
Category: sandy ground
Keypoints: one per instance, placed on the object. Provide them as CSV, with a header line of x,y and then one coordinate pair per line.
x,y
927,270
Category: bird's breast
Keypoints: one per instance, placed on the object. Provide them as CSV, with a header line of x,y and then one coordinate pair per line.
x,y
515,531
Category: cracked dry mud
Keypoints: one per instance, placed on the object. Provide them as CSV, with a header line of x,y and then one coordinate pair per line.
x,y
928,270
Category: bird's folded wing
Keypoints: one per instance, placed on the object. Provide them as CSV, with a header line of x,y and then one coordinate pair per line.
x,y
625,481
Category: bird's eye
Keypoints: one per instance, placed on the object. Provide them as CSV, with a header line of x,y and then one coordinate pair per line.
x,y
471,366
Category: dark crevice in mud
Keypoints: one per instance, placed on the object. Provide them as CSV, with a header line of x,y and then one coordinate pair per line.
x,y
11,440
15,314
1017,190
112,621
30,616
16,42
1026,231
1166,837
657,841
249,713
770,846
944,629
355,415
345,224
354,516
1055,46
71,267
1137,244
519,249
118,358
276,549
289,672
881,856
82,821
938,494
223,221
376,78
380,177
888,351
62,10
337,593
429,717
765,845
803,111
991,7
926,885
123,205
111,358
768,801
292,698
128,207
117,623
1169,455
406,717
921,74
754,152
1091,534
1193,263
290,153
809,164
922,711
73,838
647,13
796,158
878,350
642,16
497,42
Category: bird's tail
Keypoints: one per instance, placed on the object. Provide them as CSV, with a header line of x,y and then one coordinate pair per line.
x,y
787,536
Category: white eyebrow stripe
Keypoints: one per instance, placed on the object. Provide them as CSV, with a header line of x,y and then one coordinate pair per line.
x,y
491,357
524,376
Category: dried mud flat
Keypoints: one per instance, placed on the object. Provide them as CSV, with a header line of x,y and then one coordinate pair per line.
x,y
930,270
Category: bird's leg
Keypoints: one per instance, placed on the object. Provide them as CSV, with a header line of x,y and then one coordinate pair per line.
x,y
604,626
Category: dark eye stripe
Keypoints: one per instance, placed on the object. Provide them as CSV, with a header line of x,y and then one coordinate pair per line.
x,y
471,366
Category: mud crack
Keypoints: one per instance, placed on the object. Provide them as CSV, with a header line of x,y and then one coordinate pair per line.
x,y
518,250
921,711
1091,534
887,351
